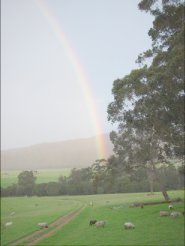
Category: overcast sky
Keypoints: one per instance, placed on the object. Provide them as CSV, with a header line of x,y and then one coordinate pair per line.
x,y
41,97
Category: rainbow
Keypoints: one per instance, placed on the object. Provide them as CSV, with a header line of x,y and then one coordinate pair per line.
x,y
80,74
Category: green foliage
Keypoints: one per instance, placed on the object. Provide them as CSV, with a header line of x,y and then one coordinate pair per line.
x,y
148,103
105,177
47,189
52,189
26,183
40,189
43,176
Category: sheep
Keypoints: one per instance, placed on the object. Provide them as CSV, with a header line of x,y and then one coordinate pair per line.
x,y
9,223
170,206
92,222
175,214
100,223
164,213
129,225
43,225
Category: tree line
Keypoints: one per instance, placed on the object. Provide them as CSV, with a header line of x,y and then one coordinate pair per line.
x,y
101,178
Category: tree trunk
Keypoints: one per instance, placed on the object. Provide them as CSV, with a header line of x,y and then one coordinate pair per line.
x,y
151,182
152,175
163,190
165,194
151,179
151,186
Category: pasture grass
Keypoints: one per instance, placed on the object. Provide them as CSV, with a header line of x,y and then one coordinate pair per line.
x,y
151,229
114,208
43,176
29,212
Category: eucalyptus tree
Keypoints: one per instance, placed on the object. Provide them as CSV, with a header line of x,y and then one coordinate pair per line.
x,y
148,103
99,173
26,183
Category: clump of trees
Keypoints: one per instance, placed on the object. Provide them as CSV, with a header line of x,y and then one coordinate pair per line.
x,y
24,187
26,183
101,178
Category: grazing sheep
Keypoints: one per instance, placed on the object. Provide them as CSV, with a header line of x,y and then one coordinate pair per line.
x,y
43,225
170,206
129,225
100,223
164,213
92,222
9,223
175,214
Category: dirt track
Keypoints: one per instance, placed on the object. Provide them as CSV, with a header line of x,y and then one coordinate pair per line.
x,y
37,236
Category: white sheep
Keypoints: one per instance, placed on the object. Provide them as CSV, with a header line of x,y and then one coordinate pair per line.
x,y
164,213
170,206
100,223
129,225
175,214
9,223
43,225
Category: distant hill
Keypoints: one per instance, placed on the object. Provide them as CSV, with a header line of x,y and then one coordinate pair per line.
x,y
70,153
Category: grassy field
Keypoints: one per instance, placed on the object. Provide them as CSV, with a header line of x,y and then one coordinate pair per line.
x,y
150,228
114,208
43,176
29,212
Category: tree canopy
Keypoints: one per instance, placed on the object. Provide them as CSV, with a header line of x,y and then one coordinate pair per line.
x,y
149,102
26,183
